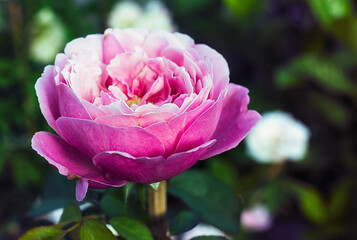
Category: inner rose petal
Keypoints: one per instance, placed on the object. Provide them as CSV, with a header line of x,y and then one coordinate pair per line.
x,y
136,77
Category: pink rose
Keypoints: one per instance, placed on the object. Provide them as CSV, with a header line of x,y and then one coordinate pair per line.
x,y
137,105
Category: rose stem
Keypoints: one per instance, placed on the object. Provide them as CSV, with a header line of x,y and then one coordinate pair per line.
x,y
157,202
275,170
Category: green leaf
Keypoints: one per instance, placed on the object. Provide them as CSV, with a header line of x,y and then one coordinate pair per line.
x,y
275,193
340,200
328,11
94,230
345,59
324,72
155,186
223,170
71,212
130,228
331,109
241,7
43,233
209,238
286,79
112,206
24,171
213,199
346,31
184,221
312,204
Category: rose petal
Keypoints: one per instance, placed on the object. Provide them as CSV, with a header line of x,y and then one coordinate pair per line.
x,y
118,120
81,189
235,121
47,96
93,111
129,38
184,39
158,40
70,105
111,47
91,43
85,79
203,128
92,138
126,66
69,161
60,63
170,132
148,170
183,58
220,68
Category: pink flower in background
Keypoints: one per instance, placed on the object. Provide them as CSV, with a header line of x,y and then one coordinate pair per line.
x,y
137,105
256,219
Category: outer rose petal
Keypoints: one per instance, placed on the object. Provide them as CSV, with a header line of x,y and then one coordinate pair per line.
x,y
92,138
203,128
70,162
228,133
149,170
47,96
170,132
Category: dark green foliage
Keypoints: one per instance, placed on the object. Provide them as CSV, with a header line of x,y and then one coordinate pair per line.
x,y
92,230
43,233
213,199
184,221
130,228
299,56
71,212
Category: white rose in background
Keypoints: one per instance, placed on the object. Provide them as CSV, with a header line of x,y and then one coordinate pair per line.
x,y
256,219
130,14
47,36
278,137
156,15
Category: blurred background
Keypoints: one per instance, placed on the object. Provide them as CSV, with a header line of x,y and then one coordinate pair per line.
x,y
295,56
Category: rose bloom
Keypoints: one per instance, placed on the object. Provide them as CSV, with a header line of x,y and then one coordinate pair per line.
x,y
137,105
